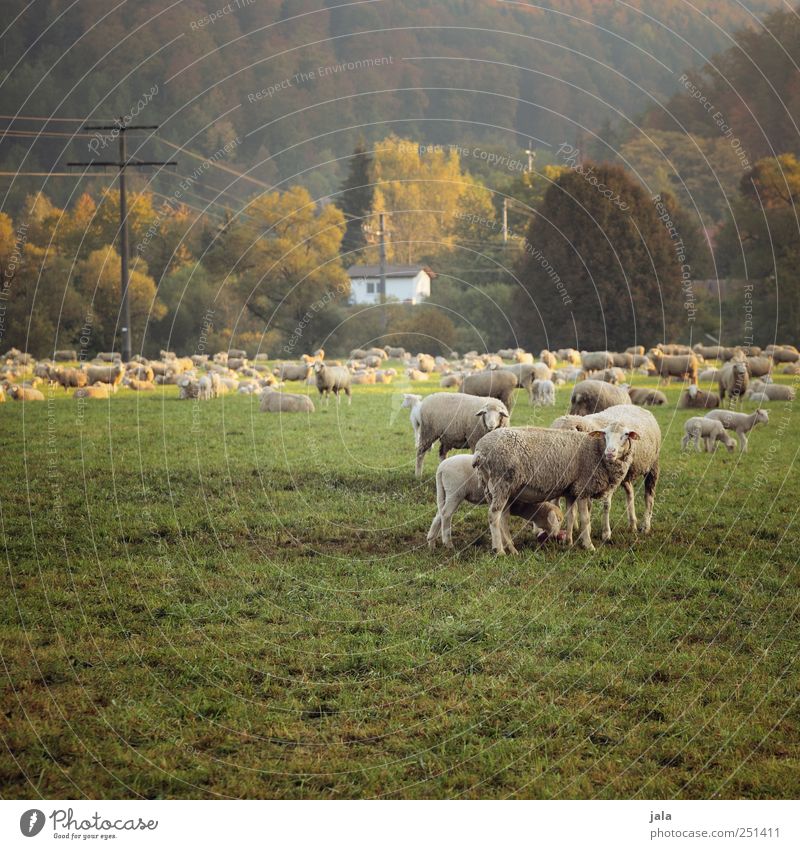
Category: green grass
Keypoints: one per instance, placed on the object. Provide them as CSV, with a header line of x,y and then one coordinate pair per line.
x,y
200,600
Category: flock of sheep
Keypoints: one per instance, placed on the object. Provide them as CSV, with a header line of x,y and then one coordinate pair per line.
x,y
607,441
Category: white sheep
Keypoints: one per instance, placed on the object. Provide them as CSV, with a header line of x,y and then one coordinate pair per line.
x,y
543,393
412,402
457,481
456,420
741,423
594,396
334,379
272,401
709,430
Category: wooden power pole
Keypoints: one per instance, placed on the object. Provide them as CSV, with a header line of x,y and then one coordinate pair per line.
x,y
122,164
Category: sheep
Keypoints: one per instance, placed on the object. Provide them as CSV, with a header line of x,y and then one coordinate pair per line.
x,y
610,375
395,353
709,352
292,371
759,366
741,423
569,355
188,388
109,357
646,457
673,349
646,397
65,356
782,353
142,372
112,375
543,393
334,379
411,402
425,362
641,362
272,401
69,378
452,380
456,420
541,464
792,368
526,373
684,366
457,481
733,379
373,361
709,375
771,392
24,393
415,374
709,430
635,350
548,358
623,360
593,396
99,391
362,378
693,398
596,360
494,383
140,385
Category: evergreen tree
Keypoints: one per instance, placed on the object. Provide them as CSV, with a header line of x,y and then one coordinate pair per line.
x,y
356,200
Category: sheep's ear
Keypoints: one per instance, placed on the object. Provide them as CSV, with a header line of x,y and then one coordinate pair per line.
x,y
632,434
481,411
597,434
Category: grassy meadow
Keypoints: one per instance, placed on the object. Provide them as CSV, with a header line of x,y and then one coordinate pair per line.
x,y
200,600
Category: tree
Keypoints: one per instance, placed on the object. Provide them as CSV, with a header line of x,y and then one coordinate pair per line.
x,y
599,269
356,199
424,327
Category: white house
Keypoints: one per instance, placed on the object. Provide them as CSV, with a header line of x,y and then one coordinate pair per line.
x,y
408,284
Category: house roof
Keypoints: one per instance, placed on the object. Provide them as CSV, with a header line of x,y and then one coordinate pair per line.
x,y
391,271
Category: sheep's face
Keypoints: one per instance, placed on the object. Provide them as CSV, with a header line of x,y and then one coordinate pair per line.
x,y
617,439
692,390
493,417
410,401
762,416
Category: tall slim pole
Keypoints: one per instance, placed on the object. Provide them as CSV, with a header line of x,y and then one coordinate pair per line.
x,y
125,306
382,260
505,220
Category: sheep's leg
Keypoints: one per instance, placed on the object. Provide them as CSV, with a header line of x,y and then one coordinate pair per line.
x,y
650,483
349,397
422,450
742,440
585,510
433,532
607,517
512,549
498,505
447,511
630,504
685,441
569,516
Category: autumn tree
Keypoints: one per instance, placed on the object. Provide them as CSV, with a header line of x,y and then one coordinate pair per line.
x,y
598,268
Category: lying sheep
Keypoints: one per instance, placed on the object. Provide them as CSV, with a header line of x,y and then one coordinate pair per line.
x,y
543,393
771,392
452,380
646,397
741,423
456,420
610,375
593,396
100,391
457,481
646,457
494,383
139,385
363,378
693,398
334,379
759,366
540,464
24,393
416,374
272,401
733,380
709,430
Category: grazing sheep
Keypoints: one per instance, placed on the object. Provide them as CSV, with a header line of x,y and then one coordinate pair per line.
x,y
69,378
334,379
741,423
709,352
673,349
112,375
596,360
684,366
782,353
693,398
109,357
771,392
646,397
643,363
733,380
623,360
646,457
526,373
543,393
292,371
709,375
456,420
272,401
457,481
24,393
540,464
593,396
548,358
100,391
494,383
759,366
569,355
452,380
395,353
635,350
65,356
709,430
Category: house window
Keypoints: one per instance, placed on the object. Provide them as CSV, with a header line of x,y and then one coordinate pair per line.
x,y
370,288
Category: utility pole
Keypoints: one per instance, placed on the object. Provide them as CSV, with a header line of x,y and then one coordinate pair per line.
x,y
531,155
505,220
122,165
382,258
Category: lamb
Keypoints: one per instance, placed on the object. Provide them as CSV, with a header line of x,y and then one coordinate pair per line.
x,y
543,393
334,379
494,383
112,375
24,393
292,371
593,396
683,366
693,398
457,481
646,397
541,464
412,402
709,430
646,457
456,420
741,423
733,380
272,401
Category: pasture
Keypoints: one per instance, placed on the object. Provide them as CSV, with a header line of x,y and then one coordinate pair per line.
x,y
201,600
